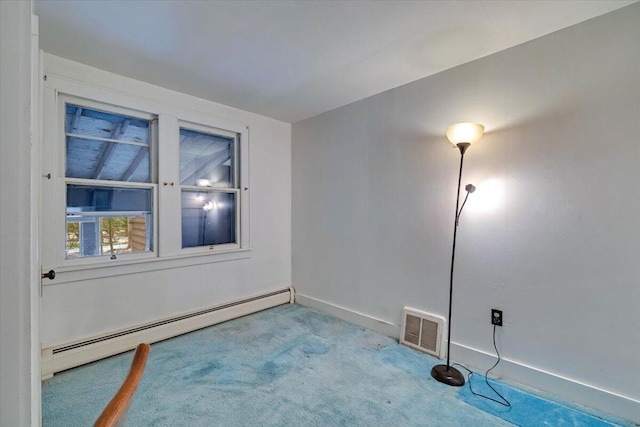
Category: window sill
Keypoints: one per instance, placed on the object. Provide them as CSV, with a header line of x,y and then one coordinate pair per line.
x,y
77,273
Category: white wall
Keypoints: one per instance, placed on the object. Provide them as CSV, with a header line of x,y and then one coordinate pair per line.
x,y
15,243
552,236
84,308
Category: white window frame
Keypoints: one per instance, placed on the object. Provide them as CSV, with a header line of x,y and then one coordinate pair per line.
x,y
236,189
61,182
164,152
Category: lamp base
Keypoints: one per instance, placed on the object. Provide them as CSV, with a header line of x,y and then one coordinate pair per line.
x,y
447,375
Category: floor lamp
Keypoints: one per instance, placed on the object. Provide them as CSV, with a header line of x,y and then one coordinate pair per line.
x,y
462,135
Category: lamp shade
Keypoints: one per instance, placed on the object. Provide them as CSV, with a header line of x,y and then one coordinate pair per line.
x,y
465,133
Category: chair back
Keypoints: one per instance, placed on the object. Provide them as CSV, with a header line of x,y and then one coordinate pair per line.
x,y
115,413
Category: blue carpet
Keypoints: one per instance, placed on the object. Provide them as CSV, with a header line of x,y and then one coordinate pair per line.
x,y
528,409
287,366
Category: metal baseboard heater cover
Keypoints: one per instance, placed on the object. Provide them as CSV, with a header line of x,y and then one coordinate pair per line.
x,y
61,357
422,331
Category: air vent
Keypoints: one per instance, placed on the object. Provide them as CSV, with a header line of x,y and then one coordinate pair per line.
x,y
422,331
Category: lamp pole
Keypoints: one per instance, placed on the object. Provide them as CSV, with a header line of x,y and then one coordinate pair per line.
x,y
445,373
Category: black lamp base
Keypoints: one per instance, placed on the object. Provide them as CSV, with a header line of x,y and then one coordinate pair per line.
x,y
447,375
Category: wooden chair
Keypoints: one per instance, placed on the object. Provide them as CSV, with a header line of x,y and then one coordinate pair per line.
x,y
115,412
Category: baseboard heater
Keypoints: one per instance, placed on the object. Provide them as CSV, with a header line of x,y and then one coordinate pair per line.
x,y
69,355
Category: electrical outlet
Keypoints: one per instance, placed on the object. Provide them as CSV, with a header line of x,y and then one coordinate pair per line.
x,y
496,317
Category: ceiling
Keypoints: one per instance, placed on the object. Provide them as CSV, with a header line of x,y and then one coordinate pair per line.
x,y
291,60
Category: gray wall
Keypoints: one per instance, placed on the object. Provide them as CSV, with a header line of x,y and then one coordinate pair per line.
x,y
552,234
15,239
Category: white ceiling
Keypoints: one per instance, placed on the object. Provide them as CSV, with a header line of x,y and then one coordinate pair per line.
x,y
291,60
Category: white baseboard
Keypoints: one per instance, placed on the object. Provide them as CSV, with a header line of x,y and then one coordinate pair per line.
x,y
565,388
574,391
381,326
54,360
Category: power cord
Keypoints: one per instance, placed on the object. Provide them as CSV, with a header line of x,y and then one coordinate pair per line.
x,y
503,401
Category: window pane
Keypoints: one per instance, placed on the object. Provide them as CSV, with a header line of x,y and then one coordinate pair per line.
x,y
108,220
206,159
106,146
208,218
92,235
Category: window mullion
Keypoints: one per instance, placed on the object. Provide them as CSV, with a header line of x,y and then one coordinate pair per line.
x,y
169,220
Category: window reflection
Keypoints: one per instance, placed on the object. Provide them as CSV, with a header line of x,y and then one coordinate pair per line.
x,y
208,218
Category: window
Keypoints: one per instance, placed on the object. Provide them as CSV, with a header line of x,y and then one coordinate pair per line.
x,y
133,180
115,217
208,187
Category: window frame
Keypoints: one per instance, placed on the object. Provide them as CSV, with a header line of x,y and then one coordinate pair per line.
x,y
62,180
235,189
164,150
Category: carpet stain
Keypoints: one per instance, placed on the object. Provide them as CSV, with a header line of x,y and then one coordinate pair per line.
x,y
270,371
315,348
203,371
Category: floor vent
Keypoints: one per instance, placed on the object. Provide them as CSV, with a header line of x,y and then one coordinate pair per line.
x,y
422,331
69,355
